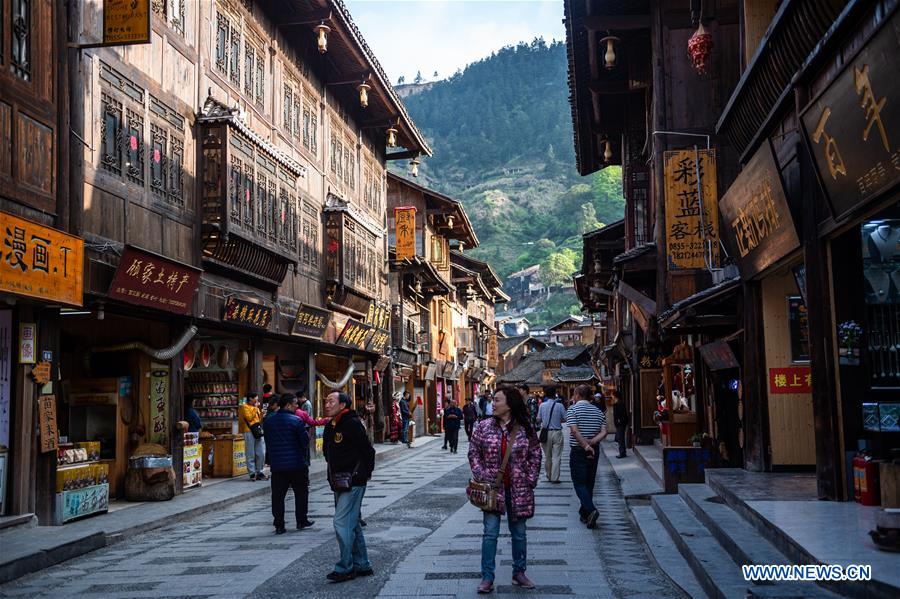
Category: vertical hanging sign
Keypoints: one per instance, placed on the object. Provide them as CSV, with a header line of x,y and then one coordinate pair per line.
x,y
692,215
47,421
126,22
405,231
5,373
159,403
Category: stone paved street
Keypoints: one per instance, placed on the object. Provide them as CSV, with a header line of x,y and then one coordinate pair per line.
x,y
423,537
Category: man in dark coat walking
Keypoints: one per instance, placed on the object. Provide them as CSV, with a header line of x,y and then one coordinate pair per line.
x,y
287,443
620,418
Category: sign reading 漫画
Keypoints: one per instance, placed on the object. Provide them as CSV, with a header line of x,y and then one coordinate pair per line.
x,y
692,218
159,403
38,261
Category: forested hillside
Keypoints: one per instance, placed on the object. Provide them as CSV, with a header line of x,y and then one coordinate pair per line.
x,y
502,136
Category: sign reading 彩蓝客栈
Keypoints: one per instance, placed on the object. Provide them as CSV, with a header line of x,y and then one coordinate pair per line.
x,y
405,231
149,280
37,261
692,220
126,22
853,127
755,215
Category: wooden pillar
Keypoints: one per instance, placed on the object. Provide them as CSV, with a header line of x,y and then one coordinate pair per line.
x,y
660,123
45,463
176,412
23,429
754,394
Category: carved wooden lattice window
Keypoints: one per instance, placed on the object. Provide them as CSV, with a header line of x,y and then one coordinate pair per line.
x,y
260,78
298,111
249,59
222,30
236,191
21,33
166,153
111,134
158,162
172,12
288,107
261,204
176,170
272,212
234,62
134,148
293,224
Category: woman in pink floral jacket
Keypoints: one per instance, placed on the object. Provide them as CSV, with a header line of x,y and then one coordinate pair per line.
x,y
516,495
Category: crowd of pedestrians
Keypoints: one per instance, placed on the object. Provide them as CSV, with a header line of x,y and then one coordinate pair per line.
x,y
510,433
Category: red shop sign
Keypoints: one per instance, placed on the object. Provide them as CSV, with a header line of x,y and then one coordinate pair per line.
x,y
797,379
149,280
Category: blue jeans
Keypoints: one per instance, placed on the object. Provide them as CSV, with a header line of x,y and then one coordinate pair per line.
x,y
584,473
489,542
349,533
404,430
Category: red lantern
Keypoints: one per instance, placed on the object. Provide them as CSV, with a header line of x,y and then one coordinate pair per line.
x,y
700,48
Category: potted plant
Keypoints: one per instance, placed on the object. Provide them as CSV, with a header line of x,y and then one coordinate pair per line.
x,y
695,439
849,335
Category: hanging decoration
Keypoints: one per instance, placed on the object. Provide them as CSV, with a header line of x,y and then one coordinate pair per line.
x,y
700,48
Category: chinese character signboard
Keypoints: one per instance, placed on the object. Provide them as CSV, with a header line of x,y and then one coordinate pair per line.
x,y
355,335
47,420
756,217
159,404
126,22
493,354
310,322
378,342
688,227
37,261
247,313
853,127
797,379
149,280
405,224
379,315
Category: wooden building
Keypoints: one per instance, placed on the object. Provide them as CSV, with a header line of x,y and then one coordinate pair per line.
x,y
228,178
771,316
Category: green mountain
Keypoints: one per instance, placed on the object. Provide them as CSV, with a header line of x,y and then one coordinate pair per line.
x,y
501,130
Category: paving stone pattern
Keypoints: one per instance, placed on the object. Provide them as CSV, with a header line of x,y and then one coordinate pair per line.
x,y
424,539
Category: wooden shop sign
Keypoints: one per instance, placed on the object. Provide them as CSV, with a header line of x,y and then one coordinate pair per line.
x,y
379,341
126,22
47,423
718,355
310,322
37,261
247,313
756,216
853,127
692,221
355,335
41,373
378,315
405,232
146,279
796,379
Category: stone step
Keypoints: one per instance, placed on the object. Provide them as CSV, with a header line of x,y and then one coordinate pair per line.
x,y
18,522
717,573
741,540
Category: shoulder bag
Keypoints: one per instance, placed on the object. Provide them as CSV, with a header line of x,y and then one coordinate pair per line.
x,y
484,495
544,429
341,481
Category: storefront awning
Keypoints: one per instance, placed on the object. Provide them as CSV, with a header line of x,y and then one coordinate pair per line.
x,y
703,309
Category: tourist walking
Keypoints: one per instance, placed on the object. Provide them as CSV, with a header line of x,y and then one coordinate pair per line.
x,y
470,415
551,415
351,461
504,451
288,446
395,419
532,402
587,425
404,418
250,425
453,418
620,419
302,411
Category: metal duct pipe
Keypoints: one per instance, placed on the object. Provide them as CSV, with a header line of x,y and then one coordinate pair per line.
x,y
166,353
339,383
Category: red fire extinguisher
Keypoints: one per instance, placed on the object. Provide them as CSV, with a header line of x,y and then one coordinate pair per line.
x,y
865,480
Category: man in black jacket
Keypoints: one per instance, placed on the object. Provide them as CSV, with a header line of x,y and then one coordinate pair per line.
x,y
349,454
404,418
286,445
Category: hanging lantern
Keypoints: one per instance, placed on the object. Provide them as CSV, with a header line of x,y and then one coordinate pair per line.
x,y
414,165
391,137
700,48
364,94
322,31
609,57
607,151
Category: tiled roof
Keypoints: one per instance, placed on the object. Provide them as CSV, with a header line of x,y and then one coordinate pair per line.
x,y
575,374
634,253
562,353
529,370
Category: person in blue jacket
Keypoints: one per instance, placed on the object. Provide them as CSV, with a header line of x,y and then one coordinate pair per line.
x,y
286,444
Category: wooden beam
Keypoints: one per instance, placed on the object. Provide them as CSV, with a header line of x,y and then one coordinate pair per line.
x,y
402,155
636,297
616,22
313,17
599,86
352,79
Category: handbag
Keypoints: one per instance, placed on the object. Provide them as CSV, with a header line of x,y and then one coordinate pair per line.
x,y
256,430
544,430
341,481
484,495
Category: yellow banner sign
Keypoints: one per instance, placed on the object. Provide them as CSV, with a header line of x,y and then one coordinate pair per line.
x,y
692,217
126,22
38,261
405,224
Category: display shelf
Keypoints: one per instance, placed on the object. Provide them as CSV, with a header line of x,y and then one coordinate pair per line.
x,y
81,502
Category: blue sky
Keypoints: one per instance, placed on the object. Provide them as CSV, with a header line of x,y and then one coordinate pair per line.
x,y
445,35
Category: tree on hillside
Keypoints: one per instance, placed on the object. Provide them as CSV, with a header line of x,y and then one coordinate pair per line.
x,y
558,268
418,78
435,76
401,80
588,221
